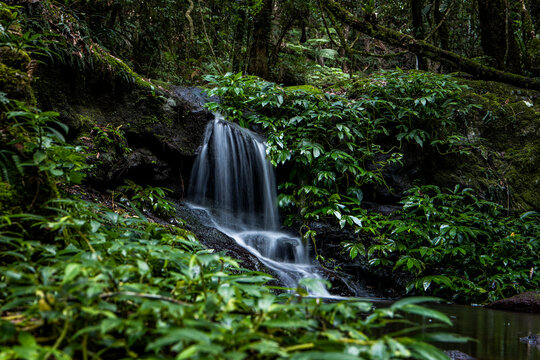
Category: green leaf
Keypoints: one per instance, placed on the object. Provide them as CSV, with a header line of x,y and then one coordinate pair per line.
x,y
71,272
39,156
446,337
426,312
27,340
356,220
319,355
425,351
414,300
7,331
188,353
143,267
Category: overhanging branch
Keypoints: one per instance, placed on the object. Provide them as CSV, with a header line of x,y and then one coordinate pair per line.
x,y
431,51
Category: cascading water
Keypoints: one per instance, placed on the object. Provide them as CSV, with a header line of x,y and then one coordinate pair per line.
x,y
234,182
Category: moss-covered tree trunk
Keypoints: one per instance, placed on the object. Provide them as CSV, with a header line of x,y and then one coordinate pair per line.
x,y
262,26
497,34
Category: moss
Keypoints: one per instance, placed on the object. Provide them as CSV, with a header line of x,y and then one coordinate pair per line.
x,y
9,199
14,80
167,86
16,84
118,68
310,89
16,59
148,125
504,164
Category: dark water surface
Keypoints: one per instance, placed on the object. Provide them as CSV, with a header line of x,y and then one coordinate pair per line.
x,y
497,332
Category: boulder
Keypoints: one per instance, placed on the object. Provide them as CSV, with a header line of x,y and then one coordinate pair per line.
x,y
161,127
528,302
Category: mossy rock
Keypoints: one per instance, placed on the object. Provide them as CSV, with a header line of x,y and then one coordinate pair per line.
x,y
118,68
528,302
16,84
10,199
505,135
16,59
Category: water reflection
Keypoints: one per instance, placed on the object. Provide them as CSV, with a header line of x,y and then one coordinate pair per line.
x,y
498,332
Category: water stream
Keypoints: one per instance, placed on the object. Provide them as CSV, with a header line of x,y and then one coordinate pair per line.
x,y
234,183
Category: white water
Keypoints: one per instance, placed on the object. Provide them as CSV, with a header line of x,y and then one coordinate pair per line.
x,y
234,182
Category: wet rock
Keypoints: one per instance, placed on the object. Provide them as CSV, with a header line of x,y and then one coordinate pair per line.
x,y
200,225
162,127
458,355
355,276
528,302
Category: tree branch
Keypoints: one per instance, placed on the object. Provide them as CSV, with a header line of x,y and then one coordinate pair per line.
x,y
440,23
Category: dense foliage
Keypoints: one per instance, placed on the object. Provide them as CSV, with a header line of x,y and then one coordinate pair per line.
x,y
83,279
458,246
297,41
335,147
85,275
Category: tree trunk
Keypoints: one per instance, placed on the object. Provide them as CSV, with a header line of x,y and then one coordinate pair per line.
x,y
433,52
262,26
529,36
238,39
534,11
442,32
418,28
497,34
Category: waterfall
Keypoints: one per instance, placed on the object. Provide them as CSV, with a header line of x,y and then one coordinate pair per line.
x,y
233,181
231,175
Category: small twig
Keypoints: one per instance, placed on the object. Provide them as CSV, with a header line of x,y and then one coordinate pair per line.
x,y
88,243
144,296
439,24
59,341
85,347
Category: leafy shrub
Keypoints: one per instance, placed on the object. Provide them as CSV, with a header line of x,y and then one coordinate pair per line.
x,y
149,197
109,138
328,142
334,146
102,284
36,143
457,245
423,107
